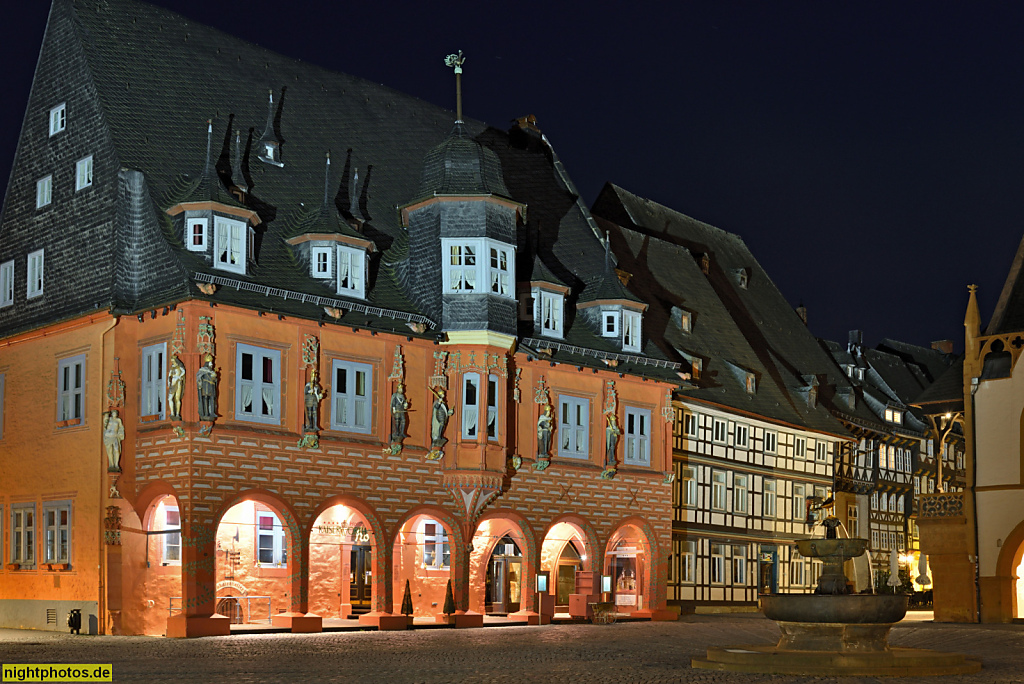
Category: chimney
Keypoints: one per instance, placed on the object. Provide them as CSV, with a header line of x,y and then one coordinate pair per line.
x,y
801,311
944,346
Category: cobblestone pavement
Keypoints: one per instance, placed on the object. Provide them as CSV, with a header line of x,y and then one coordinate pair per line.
x,y
624,652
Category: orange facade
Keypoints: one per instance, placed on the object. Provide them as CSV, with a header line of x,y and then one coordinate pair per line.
x,y
262,516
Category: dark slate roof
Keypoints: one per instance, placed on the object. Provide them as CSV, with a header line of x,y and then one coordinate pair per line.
x,y
324,219
657,245
607,287
461,166
931,362
542,274
1008,315
946,393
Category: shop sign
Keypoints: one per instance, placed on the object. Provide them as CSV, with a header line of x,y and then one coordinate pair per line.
x,y
625,599
360,535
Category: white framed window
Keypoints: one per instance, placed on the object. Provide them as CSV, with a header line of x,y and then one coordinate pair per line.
x,y
899,505
874,501
320,262
153,386
257,384
436,549
229,243
718,490
852,521
500,263
631,332
196,231
492,407
7,283
800,447
884,502
351,271
574,427
461,268
917,485
551,313
271,542
58,118
894,416
740,491
739,565
470,405
34,274
23,534
689,563
44,191
820,451
768,499
718,563
83,173
690,424
638,437
57,531
351,396
71,389
741,435
876,542
892,503
798,572
688,487
609,323
799,502
172,540
771,442
720,431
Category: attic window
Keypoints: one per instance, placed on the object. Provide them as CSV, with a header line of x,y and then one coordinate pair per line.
x,y
58,119
195,234
550,304
743,278
751,383
894,416
351,271
610,324
270,152
696,366
631,339
320,262
705,263
229,245
686,322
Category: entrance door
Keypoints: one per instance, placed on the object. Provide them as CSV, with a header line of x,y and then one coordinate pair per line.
x,y
568,564
360,582
501,593
766,578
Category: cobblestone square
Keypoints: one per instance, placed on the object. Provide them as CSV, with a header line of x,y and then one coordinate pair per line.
x,y
623,652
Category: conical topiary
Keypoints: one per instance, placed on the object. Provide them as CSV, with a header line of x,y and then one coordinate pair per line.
x,y
449,600
407,601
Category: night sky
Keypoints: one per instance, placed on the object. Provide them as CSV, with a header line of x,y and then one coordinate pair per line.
x,y
871,155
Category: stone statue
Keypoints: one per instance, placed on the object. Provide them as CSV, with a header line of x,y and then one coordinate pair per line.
x,y
206,385
545,426
439,421
611,440
313,394
113,433
175,388
399,414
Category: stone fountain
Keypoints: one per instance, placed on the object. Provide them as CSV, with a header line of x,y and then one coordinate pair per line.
x,y
833,631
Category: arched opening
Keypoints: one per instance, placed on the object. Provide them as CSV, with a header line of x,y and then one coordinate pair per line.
x,y
422,556
627,562
162,577
252,563
341,554
496,567
563,554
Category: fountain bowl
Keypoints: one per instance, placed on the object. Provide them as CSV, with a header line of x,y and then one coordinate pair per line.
x,y
823,548
846,609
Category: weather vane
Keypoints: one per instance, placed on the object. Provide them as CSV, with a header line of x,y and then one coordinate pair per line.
x,y
456,62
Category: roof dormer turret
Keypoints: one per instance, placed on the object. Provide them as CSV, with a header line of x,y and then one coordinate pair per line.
x,y
270,141
611,310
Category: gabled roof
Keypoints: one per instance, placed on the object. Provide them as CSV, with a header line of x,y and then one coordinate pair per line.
x,y
946,394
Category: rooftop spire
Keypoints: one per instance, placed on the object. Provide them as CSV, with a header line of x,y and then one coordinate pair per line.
x,y
209,142
270,116
237,176
456,62
327,177
607,253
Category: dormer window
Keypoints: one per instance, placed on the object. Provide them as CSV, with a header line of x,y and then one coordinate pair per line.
x,y
686,322
499,270
743,278
550,306
195,234
58,119
609,323
229,245
631,321
271,153
894,416
351,271
464,269
320,262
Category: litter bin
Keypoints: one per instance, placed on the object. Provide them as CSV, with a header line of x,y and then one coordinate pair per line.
x,y
75,621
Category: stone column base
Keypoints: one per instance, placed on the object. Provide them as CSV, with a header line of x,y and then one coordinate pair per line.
x,y
461,619
298,622
531,617
187,626
657,614
385,621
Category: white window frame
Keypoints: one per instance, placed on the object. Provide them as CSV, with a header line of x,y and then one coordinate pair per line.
x,y
799,502
466,267
500,261
609,323
691,425
7,283
259,390
894,416
739,565
771,442
769,498
573,426
190,234
278,541
741,435
800,448
688,486
550,306
720,431
433,539
470,405
71,388
821,451
171,540
153,382
852,520
83,173
58,119
230,241
716,568
57,535
44,191
24,534
637,433
491,417
632,331
351,271
797,572
34,274
719,490
741,492
352,411
689,563
316,256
